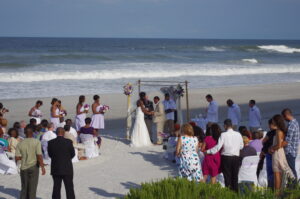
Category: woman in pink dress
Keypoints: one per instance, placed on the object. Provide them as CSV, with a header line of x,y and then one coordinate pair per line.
x,y
211,163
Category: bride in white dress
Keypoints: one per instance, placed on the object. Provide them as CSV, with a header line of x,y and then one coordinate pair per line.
x,y
140,136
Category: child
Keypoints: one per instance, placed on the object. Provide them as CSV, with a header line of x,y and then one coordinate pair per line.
x,y
13,141
172,142
211,163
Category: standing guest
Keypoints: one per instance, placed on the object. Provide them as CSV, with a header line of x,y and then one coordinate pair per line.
x,y
267,143
254,116
212,110
187,151
61,151
98,114
35,112
212,162
55,113
256,143
80,113
159,119
43,129
72,130
234,113
280,164
231,142
247,150
292,138
170,108
13,141
29,151
20,126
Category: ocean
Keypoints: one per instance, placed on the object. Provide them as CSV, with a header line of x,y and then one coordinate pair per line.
x,y
46,67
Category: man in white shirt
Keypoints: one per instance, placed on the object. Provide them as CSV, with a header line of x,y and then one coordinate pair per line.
x,y
231,142
212,110
72,130
170,108
234,113
254,116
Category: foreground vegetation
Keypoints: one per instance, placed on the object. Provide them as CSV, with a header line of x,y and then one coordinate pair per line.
x,y
178,188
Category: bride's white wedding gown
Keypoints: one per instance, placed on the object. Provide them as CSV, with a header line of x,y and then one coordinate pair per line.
x,y
140,136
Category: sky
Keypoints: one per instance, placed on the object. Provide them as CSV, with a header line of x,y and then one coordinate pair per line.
x,y
216,19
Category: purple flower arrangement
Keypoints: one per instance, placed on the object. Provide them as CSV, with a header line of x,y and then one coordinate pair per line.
x,y
179,91
104,108
128,89
86,107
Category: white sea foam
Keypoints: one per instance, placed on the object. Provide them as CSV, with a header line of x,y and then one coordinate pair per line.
x,y
213,49
148,71
253,61
280,48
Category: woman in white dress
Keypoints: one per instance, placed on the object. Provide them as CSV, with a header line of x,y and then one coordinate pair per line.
x,y
35,112
80,113
140,136
55,113
98,114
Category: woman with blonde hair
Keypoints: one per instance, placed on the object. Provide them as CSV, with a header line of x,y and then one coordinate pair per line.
x,y
187,151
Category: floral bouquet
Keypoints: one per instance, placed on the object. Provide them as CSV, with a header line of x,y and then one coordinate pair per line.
x,y
86,107
63,113
128,89
104,108
179,91
36,114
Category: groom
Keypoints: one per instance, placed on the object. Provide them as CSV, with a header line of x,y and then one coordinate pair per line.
x,y
149,113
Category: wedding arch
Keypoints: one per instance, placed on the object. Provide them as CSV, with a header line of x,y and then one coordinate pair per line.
x,y
177,89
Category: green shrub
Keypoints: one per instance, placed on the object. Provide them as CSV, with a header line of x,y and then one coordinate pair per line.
x,y
180,188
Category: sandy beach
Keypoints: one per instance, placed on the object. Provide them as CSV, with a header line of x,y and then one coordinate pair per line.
x,y
120,167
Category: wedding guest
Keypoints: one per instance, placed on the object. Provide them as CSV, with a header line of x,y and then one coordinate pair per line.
x,y
212,110
61,152
292,138
7,166
87,135
30,154
280,164
267,143
234,113
98,114
247,150
172,143
35,111
256,143
231,143
199,133
21,128
170,108
3,110
244,132
13,141
254,116
62,112
212,162
159,119
55,113
187,151
80,113
49,135
72,130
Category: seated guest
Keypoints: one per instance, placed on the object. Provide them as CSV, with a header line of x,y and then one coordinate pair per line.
x,y
88,137
257,142
13,141
244,132
247,150
187,151
7,166
198,132
20,126
44,124
49,135
212,162
72,130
